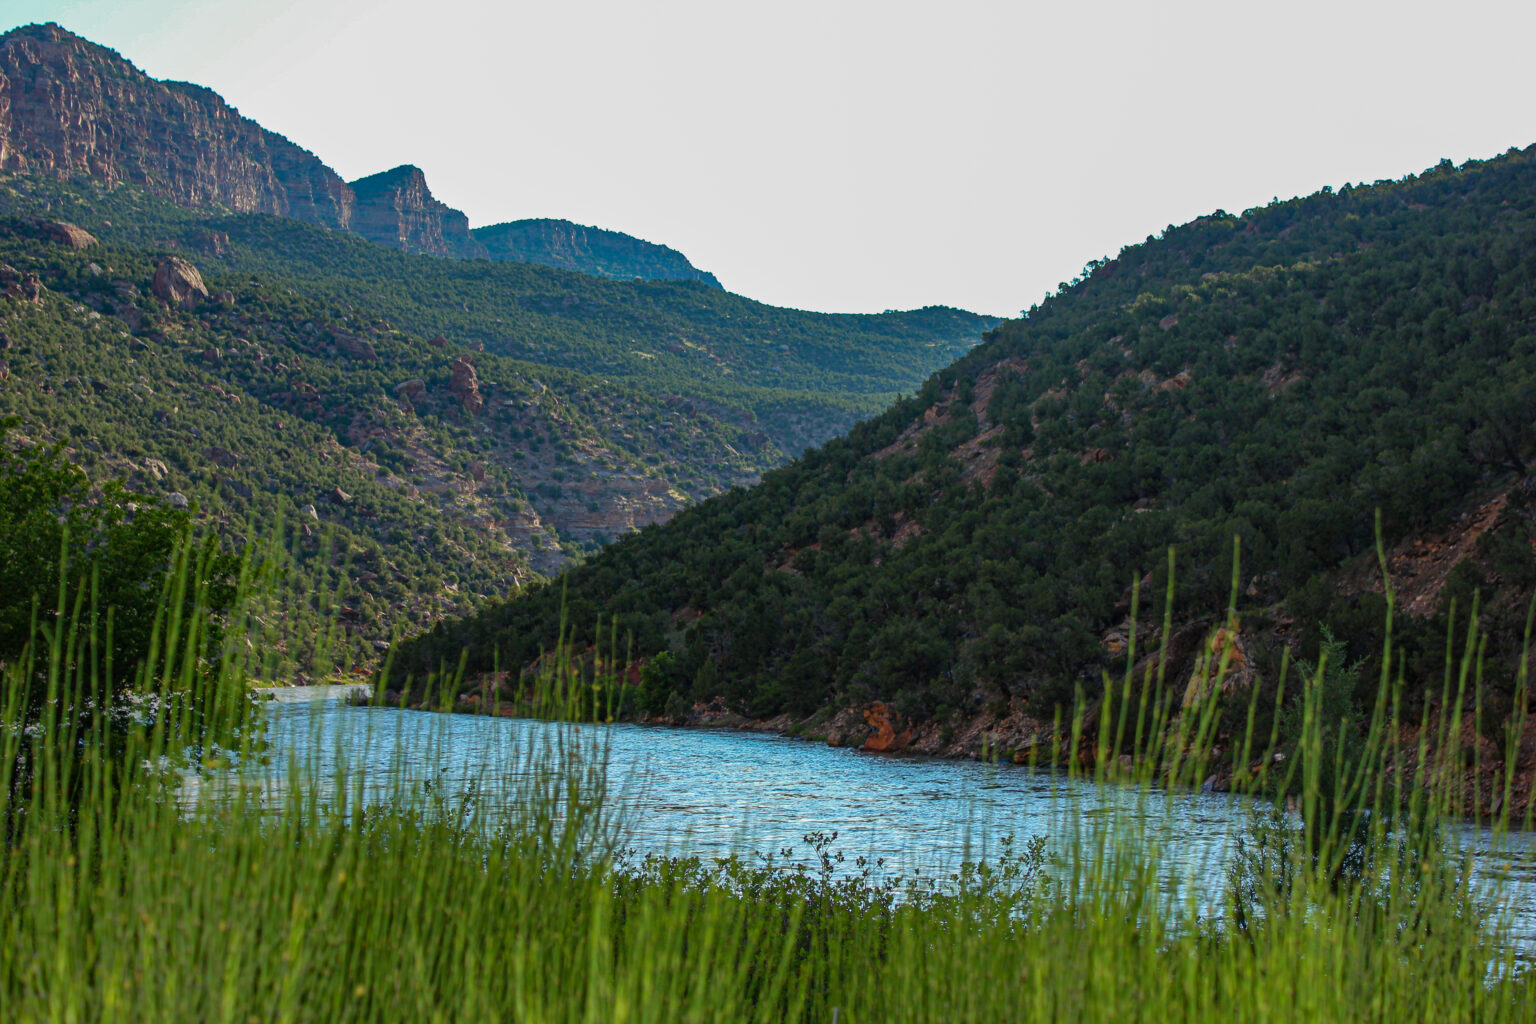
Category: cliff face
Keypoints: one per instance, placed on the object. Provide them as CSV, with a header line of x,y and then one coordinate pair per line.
x,y
395,208
69,107
613,254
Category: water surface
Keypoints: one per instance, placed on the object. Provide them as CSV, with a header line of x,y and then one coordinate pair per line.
x,y
712,793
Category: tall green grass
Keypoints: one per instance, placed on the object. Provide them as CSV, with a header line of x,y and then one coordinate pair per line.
x,y
285,892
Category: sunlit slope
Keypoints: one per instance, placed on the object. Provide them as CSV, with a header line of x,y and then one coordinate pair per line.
x,y
461,442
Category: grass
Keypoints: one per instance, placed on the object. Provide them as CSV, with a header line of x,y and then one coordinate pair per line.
x,y
294,892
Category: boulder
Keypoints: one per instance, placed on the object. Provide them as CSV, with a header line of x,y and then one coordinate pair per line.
x,y
177,283
465,385
353,347
884,736
221,457
1227,662
67,234
16,285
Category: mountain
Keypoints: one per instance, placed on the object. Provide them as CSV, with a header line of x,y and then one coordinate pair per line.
x,y
964,564
559,243
70,108
434,432
395,208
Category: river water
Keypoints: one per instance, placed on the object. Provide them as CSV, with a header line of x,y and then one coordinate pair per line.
x,y
712,793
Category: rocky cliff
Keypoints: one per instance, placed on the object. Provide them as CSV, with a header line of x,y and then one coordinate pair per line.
x,y
69,107
560,243
395,208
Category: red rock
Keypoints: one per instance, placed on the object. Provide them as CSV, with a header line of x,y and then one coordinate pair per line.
x,y
75,108
395,208
353,347
882,720
68,234
177,283
465,385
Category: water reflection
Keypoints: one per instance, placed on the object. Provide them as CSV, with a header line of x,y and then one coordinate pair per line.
x,y
715,793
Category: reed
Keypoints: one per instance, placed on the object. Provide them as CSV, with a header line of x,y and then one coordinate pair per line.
x,y
289,888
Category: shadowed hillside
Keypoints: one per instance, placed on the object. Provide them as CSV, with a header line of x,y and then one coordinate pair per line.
x,y
1275,377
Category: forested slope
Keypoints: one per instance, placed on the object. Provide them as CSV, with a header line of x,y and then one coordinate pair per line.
x,y
1277,376
462,425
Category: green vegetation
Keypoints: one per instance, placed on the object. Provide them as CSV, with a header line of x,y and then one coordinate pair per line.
x,y
298,894
1275,377
760,363
320,374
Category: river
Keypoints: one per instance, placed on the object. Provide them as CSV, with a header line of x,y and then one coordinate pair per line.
x,y
712,793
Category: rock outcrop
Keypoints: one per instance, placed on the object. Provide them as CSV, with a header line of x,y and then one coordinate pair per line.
x,y
395,208
410,391
177,283
69,107
465,385
353,347
68,234
560,243
16,285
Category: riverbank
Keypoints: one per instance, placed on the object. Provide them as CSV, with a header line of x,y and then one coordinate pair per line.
x,y
1480,777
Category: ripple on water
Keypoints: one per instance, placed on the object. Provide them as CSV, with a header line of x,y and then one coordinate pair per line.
x,y
710,793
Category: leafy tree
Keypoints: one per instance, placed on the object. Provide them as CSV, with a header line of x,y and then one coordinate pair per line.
x,y
95,582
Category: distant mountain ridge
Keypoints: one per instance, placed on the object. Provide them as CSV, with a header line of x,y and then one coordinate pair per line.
x,y
70,108
596,251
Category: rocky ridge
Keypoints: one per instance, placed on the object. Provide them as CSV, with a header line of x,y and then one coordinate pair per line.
x,y
395,208
612,254
70,108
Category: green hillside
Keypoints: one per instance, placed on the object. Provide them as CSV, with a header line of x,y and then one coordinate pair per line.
x,y
458,427
1277,376
802,377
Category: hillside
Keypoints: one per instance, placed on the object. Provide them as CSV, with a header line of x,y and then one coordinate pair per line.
x,y
199,305
485,421
559,243
1277,377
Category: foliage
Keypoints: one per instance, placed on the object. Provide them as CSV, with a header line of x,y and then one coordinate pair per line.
x,y
261,893
66,546
112,621
1276,377
251,406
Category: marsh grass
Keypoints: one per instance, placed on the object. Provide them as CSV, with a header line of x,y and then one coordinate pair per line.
x,y
298,889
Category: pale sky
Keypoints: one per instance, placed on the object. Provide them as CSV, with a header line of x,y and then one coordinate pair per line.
x,y
856,155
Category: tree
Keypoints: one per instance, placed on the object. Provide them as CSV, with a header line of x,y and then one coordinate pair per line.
x,y
93,582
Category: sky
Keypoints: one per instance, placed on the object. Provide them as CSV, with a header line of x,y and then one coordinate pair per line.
x,y
856,155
